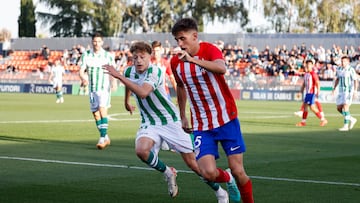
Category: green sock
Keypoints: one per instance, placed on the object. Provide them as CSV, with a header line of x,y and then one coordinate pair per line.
x,y
347,117
98,124
213,185
154,162
103,126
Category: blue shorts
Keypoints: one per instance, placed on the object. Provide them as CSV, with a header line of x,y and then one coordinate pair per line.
x,y
309,99
229,135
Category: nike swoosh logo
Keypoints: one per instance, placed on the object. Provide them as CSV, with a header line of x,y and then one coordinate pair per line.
x,y
234,148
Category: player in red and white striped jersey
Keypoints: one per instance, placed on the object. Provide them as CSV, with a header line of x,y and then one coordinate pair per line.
x,y
311,86
199,69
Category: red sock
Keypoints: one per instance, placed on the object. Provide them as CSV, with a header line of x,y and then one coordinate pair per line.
x,y
223,176
305,114
246,192
318,105
302,107
318,114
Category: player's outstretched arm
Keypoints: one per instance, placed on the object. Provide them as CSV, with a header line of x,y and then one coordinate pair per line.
x,y
142,91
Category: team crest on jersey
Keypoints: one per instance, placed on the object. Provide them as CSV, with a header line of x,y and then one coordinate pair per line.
x,y
202,70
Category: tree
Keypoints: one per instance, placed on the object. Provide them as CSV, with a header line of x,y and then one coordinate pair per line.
x,y
355,13
160,15
338,15
313,15
108,17
306,20
5,35
279,13
79,18
26,20
73,19
221,10
135,17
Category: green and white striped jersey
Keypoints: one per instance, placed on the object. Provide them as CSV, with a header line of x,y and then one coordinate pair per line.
x,y
156,108
58,71
347,77
93,62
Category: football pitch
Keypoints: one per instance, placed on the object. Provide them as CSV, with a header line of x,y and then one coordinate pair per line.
x,y
48,154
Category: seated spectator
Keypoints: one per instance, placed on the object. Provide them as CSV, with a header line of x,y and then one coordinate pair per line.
x,y
11,69
66,57
75,56
45,52
329,72
280,77
6,48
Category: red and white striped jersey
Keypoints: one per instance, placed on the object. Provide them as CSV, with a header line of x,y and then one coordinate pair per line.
x,y
310,79
211,102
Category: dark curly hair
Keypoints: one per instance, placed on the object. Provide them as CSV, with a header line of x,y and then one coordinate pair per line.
x,y
184,24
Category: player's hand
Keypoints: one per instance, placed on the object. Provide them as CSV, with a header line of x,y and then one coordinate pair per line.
x,y
110,70
84,82
183,55
188,130
185,125
130,108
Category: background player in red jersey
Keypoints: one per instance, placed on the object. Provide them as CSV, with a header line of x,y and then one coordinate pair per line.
x,y
311,86
159,60
199,69
317,103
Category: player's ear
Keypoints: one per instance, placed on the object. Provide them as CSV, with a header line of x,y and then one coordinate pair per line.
x,y
195,35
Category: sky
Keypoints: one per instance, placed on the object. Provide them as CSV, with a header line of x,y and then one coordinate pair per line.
x,y
11,10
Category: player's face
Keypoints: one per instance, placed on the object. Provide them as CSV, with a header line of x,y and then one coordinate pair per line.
x,y
345,62
308,67
141,60
187,41
97,43
157,52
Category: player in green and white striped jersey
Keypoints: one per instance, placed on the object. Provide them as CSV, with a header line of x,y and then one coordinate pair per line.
x,y
56,78
160,120
91,63
347,81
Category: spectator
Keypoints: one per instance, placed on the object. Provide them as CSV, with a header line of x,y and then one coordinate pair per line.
x,y
11,69
66,57
75,56
6,47
329,72
45,52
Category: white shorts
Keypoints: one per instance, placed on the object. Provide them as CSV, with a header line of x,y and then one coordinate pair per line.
x,y
57,83
99,99
172,134
344,98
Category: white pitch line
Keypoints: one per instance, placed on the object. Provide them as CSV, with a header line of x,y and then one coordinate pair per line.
x,y
307,181
63,121
182,171
112,117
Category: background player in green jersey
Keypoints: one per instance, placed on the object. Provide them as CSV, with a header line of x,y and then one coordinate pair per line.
x,y
160,119
91,63
56,78
347,81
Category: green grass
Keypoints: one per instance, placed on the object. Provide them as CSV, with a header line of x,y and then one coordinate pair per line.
x,y
286,163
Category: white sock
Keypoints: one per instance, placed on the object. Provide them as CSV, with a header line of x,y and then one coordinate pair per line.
x,y
168,172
